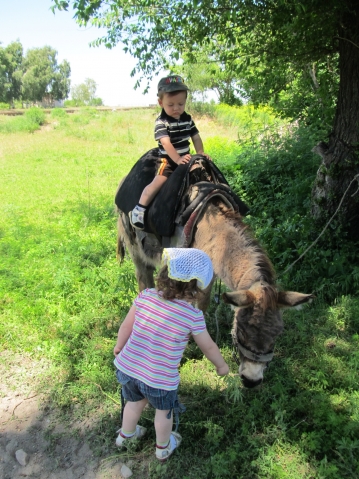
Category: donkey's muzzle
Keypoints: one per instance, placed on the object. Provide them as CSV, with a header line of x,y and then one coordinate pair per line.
x,y
247,383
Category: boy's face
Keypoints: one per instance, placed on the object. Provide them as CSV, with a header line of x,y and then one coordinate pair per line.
x,y
174,105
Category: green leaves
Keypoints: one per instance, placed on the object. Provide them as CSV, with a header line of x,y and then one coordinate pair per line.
x,y
43,75
11,71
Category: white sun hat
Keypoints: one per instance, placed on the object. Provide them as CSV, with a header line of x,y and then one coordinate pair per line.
x,y
185,264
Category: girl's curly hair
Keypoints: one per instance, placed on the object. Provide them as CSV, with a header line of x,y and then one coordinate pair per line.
x,y
173,289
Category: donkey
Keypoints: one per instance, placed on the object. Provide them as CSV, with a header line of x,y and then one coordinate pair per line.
x,y
241,263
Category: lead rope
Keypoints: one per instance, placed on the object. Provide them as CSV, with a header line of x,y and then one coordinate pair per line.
x,y
217,291
217,298
356,177
122,405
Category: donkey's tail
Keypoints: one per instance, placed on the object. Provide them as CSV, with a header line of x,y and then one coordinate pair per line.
x,y
120,247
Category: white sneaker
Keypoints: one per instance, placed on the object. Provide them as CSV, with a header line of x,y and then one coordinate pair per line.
x,y
121,440
137,217
163,453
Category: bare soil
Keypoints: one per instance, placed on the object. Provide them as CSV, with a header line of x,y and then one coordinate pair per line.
x,y
34,442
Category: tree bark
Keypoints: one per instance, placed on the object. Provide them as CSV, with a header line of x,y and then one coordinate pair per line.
x,y
340,158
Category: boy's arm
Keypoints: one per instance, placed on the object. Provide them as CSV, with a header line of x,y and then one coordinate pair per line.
x,y
210,349
198,146
125,330
172,153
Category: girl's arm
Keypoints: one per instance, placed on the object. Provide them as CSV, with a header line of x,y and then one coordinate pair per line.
x,y
125,330
210,349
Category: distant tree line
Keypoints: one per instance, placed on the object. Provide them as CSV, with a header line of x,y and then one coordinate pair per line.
x,y
34,77
84,94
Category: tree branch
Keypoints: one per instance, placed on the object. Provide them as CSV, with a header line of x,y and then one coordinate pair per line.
x,y
346,40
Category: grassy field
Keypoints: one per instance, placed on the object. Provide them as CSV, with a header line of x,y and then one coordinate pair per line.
x,y
63,295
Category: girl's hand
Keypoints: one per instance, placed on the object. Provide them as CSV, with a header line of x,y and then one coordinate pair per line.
x,y
116,350
223,370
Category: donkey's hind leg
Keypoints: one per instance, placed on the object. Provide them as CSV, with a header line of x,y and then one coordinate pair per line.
x,y
126,236
144,273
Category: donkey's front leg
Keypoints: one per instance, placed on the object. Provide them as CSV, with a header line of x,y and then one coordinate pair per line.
x,y
204,300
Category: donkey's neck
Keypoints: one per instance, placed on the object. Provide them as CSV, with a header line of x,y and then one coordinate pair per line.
x,y
236,256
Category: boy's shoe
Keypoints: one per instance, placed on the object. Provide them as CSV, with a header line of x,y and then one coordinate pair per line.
x,y
137,217
163,453
121,440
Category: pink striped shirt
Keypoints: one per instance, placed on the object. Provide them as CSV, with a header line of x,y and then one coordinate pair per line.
x,y
159,337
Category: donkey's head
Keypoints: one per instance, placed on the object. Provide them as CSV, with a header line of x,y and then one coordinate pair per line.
x,y
257,324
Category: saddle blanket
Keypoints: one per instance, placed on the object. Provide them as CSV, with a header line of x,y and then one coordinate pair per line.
x,y
166,206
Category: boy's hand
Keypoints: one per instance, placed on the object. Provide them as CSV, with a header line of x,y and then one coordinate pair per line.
x,y
207,156
223,370
183,159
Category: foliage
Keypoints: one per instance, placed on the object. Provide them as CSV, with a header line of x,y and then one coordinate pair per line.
x,y
274,50
44,76
73,103
36,115
58,113
10,72
200,108
33,77
274,172
63,296
84,94
279,52
204,72
32,119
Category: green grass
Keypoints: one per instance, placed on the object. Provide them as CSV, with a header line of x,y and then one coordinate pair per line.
x,y
63,296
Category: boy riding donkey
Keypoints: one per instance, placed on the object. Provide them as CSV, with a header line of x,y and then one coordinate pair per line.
x,y
173,130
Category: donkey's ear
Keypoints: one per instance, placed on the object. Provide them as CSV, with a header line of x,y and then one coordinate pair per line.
x,y
240,299
291,299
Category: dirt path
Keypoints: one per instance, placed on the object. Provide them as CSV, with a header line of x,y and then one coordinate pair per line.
x,y
33,443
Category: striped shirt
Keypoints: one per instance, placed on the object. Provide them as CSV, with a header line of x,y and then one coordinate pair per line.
x,y
179,131
159,337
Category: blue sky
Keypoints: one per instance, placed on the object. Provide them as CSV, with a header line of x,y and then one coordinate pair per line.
x,y
32,22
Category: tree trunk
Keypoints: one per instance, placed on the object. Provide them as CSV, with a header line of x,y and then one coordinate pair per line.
x,y
340,158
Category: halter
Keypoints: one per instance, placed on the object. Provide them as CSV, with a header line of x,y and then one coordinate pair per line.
x,y
259,358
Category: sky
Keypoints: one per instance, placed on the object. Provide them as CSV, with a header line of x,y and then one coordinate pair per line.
x,y
34,25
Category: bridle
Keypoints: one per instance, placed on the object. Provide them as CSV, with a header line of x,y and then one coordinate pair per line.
x,y
259,358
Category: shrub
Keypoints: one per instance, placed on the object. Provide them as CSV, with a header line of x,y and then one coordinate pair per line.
x,y
199,108
36,115
275,176
18,124
75,103
223,151
58,113
96,102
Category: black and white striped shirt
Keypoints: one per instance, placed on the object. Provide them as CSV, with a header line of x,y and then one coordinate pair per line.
x,y
179,131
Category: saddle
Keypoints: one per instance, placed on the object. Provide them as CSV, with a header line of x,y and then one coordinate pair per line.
x,y
173,212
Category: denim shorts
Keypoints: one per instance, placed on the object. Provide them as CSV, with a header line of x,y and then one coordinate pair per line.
x,y
134,390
